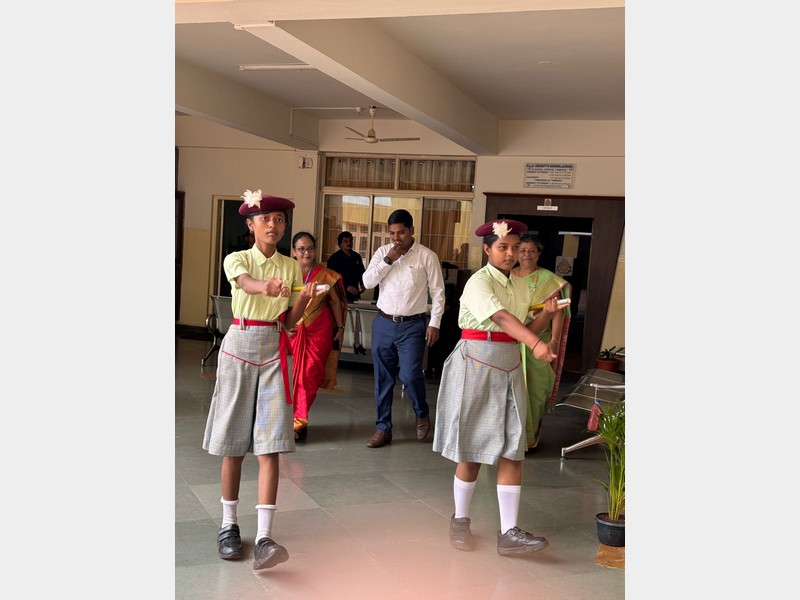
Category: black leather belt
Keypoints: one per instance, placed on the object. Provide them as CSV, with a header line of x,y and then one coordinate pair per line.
x,y
401,318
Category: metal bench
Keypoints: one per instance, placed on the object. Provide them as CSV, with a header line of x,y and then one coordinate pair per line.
x,y
218,322
594,385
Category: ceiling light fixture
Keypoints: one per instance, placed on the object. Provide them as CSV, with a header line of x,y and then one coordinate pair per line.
x,y
277,67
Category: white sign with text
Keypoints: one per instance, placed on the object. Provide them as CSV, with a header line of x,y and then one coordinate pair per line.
x,y
550,175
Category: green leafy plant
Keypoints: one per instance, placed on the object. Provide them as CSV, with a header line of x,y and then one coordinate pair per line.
x,y
611,428
612,353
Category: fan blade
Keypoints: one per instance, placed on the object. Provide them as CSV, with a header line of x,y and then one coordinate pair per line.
x,y
359,139
398,139
354,131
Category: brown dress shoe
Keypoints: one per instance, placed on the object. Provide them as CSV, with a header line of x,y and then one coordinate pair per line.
x,y
379,438
423,427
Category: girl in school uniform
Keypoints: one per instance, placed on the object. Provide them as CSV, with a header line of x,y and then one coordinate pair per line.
x,y
482,404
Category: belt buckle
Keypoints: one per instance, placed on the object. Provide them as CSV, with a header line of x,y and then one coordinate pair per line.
x,y
397,318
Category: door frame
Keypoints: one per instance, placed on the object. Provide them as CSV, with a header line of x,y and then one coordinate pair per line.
x,y
180,212
608,224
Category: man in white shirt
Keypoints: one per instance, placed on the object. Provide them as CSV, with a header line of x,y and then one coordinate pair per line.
x,y
408,273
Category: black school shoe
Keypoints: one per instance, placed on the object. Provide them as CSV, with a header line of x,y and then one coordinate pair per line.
x,y
229,543
519,541
268,554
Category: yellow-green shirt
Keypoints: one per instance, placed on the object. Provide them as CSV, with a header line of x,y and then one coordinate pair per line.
x,y
488,291
259,307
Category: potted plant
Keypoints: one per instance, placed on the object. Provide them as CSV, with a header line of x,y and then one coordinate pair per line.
x,y
611,428
609,358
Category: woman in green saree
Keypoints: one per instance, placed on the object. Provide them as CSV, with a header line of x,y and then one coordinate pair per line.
x,y
542,378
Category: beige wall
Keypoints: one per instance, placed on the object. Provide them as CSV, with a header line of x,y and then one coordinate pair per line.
x,y
216,160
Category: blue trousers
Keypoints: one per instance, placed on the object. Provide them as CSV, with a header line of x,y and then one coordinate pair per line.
x,y
398,350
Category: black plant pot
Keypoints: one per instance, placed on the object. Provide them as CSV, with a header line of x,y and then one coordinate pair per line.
x,y
610,533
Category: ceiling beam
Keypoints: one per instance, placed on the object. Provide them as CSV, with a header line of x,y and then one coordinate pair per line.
x,y
360,55
201,93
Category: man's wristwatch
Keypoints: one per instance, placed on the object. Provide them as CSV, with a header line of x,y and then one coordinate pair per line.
x,y
387,260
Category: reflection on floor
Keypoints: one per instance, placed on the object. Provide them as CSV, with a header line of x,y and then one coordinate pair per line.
x,y
373,523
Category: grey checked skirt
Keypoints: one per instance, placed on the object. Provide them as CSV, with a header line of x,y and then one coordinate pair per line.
x,y
481,407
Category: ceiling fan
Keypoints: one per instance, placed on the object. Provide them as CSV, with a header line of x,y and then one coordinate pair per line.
x,y
370,137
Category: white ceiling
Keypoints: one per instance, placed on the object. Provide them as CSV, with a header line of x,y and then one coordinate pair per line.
x,y
456,67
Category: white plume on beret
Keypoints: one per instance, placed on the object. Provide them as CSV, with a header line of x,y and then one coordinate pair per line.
x,y
252,198
500,229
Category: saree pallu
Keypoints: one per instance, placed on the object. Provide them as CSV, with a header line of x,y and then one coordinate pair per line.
x,y
542,378
314,361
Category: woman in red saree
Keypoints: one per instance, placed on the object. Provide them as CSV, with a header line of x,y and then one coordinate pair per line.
x,y
317,337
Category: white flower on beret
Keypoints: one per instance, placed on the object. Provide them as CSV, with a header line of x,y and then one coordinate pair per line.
x,y
500,229
252,198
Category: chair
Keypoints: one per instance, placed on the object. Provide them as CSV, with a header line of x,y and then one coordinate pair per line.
x,y
218,322
595,384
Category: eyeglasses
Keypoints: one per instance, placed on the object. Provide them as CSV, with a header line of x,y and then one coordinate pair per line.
x,y
302,250
527,251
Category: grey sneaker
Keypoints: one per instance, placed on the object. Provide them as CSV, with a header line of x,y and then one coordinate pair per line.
x,y
268,554
460,535
518,541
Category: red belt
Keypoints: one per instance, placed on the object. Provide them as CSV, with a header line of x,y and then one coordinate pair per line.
x,y
283,347
248,322
486,336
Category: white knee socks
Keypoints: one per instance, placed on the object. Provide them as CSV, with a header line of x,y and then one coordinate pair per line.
x,y
265,514
508,499
462,493
229,511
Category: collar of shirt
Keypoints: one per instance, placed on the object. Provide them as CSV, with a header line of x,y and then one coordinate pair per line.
x,y
259,257
498,275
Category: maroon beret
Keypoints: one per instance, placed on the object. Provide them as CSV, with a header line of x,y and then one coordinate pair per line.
x,y
256,203
513,227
